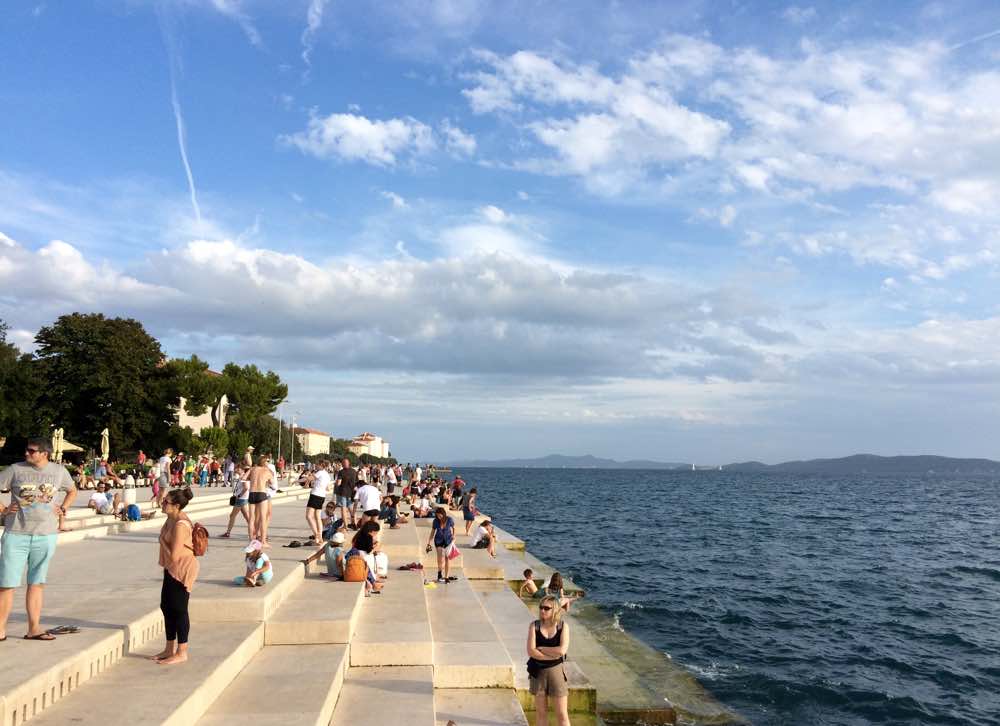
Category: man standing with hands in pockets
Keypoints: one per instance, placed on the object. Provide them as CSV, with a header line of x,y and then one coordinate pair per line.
x,y
31,526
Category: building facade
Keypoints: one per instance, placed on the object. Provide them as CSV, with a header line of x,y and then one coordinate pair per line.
x,y
369,443
312,441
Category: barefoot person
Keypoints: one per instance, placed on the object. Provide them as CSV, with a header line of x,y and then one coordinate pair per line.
x,y
548,641
180,570
260,477
31,524
239,503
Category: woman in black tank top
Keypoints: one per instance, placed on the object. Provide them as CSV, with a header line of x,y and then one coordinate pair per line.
x,y
548,641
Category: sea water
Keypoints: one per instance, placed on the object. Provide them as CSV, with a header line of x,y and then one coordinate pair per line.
x,y
793,599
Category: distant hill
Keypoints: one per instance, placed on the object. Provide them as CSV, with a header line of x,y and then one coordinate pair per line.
x,y
857,464
558,461
872,464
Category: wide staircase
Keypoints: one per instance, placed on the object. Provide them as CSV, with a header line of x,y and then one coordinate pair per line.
x,y
301,650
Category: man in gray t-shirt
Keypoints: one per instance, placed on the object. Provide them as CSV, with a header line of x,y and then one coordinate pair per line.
x,y
31,526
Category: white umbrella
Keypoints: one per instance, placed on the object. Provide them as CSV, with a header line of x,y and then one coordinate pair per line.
x,y
105,444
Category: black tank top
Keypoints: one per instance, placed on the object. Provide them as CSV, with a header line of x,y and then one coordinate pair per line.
x,y
542,641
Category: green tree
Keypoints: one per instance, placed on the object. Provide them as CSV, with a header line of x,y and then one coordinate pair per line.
x,y
238,443
252,393
191,380
19,387
216,439
99,372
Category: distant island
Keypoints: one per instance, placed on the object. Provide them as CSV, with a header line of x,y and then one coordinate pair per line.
x,y
857,464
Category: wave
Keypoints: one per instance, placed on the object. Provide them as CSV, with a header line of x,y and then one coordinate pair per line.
x,y
987,572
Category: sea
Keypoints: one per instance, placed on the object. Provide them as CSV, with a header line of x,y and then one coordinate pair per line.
x,y
794,600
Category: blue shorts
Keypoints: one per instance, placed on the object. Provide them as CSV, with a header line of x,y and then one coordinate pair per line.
x,y
344,501
32,550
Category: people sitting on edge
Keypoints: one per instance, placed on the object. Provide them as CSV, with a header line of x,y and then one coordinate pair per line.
x,y
331,522
390,512
485,538
422,508
362,546
104,502
469,510
334,552
528,587
258,566
555,589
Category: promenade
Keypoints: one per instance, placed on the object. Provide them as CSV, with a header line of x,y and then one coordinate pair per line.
x,y
303,649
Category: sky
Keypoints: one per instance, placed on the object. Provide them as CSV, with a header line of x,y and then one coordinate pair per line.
x,y
689,231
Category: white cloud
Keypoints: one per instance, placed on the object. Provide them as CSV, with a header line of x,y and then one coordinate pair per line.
x,y
233,9
397,201
351,137
797,15
969,196
494,214
6,241
457,141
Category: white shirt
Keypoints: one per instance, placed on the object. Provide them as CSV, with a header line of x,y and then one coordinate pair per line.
x,y
321,483
272,486
369,497
100,499
390,475
164,464
418,475
478,535
423,503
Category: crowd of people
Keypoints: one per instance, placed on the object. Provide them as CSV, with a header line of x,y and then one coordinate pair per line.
x,y
345,513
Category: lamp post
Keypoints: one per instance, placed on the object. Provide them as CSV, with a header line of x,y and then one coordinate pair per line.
x,y
292,462
279,433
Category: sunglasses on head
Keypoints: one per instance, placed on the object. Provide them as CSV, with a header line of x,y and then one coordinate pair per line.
x,y
545,608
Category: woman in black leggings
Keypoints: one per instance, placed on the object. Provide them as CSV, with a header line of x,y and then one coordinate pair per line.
x,y
180,570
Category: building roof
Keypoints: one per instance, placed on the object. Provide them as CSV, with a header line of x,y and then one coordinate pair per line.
x,y
303,430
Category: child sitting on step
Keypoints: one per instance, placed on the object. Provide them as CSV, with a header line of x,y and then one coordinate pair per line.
x,y
258,566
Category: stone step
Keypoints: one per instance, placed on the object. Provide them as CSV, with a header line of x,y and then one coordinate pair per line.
x,y
467,650
508,540
394,628
480,706
285,685
386,695
144,693
478,565
320,610
118,611
510,619
401,545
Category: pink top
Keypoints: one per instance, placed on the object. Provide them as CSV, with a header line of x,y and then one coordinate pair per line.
x,y
185,568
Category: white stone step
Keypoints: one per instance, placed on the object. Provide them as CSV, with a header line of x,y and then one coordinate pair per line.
x,y
387,696
320,610
394,628
467,650
140,692
510,619
479,706
284,685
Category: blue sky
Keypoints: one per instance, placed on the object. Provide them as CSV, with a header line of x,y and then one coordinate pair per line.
x,y
685,231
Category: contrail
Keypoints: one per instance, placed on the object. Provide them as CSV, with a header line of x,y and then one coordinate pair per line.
x,y
174,61
977,39
314,18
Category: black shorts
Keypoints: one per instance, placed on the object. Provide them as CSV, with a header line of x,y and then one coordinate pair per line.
x,y
482,544
316,501
371,512
257,497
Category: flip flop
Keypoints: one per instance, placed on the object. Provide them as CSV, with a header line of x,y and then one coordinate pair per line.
x,y
40,636
63,630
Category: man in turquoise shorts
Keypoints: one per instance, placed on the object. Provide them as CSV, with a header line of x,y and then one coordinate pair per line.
x,y
31,526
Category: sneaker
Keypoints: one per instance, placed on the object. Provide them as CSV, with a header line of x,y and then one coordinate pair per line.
x,y
452,578
441,579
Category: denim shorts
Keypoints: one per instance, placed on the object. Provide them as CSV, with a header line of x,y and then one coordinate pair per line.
x,y
32,550
344,501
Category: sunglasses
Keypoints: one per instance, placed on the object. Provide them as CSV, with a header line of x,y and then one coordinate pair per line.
x,y
545,608
31,451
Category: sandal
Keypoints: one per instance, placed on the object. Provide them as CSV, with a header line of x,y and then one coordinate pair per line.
x,y
40,636
225,535
63,630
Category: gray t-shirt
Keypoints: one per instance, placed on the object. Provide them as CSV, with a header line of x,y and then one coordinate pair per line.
x,y
33,490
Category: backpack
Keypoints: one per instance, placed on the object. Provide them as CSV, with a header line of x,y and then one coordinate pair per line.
x,y
133,513
199,539
355,569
